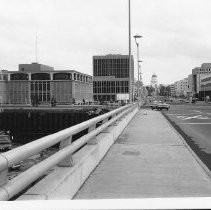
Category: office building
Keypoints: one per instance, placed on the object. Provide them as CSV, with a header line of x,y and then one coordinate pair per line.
x,y
44,83
111,77
205,88
198,73
3,78
181,88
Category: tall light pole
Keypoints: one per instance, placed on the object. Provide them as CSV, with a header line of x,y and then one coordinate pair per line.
x,y
130,73
140,73
138,61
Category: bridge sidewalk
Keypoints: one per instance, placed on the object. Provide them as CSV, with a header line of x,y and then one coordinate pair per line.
x,y
149,159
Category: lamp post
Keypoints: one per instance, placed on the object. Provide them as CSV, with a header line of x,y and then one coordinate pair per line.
x,y
140,73
138,61
130,73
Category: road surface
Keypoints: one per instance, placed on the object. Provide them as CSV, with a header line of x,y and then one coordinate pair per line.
x,y
194,124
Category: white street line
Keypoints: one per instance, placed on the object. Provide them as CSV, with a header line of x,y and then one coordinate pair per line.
x,y
196,111
183,114
196,123
188,118
200,117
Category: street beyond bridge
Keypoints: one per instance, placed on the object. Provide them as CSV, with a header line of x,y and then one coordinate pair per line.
x,y
193,121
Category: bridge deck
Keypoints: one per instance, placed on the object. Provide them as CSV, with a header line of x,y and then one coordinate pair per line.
x,y
149,159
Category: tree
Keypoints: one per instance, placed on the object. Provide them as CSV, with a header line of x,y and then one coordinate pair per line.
x,y
150,90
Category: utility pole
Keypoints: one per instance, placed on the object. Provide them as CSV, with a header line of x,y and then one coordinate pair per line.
x,y
130,73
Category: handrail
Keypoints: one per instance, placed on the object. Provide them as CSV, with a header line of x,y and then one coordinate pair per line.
x,y
18,154
7,159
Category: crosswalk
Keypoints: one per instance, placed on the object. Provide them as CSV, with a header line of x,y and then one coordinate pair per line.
x,y
188,117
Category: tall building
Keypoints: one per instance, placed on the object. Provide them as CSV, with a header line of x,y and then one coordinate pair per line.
x,y
44,83
111,77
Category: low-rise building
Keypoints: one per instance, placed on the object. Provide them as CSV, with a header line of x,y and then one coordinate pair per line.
x,y
205,88
180,88
44,83
3,78
173,90
198,73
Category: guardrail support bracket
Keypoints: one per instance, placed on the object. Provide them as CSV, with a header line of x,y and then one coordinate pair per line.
x,y
3,177
92,141
68,161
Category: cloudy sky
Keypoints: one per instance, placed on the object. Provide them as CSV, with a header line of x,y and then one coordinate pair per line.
x,y
176,34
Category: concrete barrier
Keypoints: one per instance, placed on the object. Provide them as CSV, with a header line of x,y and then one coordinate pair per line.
x,y
64,182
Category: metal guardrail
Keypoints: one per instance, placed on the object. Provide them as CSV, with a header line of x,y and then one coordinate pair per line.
x,y
10,188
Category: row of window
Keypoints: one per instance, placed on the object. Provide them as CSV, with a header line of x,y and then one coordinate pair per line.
x,y
46,76
203,70
110,87
111,61
120,72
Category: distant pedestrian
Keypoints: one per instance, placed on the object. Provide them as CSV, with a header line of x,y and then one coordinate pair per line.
x,y
53,102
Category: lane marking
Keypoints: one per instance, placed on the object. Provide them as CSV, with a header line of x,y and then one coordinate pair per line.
x,y
185,114
197,111
196,123
200,117
194,117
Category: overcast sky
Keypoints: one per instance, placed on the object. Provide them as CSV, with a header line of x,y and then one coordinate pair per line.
x,y
176,34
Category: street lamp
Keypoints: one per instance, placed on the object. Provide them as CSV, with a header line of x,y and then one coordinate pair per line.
x,y
130,74
138,61
140,73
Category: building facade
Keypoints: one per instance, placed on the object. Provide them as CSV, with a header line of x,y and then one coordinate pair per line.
x,y
190,85
180,88
205,88
44,83
173,90
111,77
198,73
3,79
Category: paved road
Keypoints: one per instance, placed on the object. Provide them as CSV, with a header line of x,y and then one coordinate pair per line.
x,y
149,159
194,123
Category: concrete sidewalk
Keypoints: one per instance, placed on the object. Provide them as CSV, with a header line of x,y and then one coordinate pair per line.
x,y
149,159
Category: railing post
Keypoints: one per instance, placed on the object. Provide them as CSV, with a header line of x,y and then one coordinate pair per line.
x,y
106,130
113,116
68,161
3,170
3,177
92,141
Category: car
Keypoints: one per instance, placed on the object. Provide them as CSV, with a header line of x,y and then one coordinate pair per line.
x,y
161,106
154,105
5,142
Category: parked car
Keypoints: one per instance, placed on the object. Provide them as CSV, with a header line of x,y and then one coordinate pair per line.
x,y
153,105
5,142
161,106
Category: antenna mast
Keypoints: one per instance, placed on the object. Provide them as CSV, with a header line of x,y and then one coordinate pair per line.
x,y
36,48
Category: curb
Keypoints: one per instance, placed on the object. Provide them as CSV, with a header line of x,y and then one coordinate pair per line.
x,y
194,155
